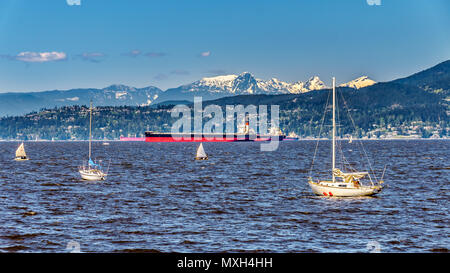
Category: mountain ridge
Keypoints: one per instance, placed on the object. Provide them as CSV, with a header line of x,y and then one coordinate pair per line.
x,y
19,103
435,79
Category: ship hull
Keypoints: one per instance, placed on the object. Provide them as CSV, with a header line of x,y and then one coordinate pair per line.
x,y
198,137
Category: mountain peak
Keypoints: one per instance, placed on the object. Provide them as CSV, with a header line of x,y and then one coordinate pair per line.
x,y
245,83
314,78
245,75
358,83
314,83
119,87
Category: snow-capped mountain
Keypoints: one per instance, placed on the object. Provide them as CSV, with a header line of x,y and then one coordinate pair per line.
x,y
242,84
214,84
208,88
314,83
246,83
359,83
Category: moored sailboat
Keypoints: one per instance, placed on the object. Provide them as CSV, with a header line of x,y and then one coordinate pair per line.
x,y
20,153
91,171
342,184
201,154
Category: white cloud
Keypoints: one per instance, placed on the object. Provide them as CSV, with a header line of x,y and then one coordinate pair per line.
x,y
40,57
73,2
205,54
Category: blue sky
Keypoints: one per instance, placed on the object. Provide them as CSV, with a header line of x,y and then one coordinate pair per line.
x,y
49,44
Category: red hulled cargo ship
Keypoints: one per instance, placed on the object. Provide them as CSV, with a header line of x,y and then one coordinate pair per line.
x,y
199,137
244,135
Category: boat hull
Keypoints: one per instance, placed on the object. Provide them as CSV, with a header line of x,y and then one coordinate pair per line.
x,y
325,190
92,176
21,159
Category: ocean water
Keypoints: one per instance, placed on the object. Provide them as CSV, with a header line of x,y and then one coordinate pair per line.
x,y
158,199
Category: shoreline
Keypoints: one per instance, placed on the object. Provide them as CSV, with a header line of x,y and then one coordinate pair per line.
x,y
300,139
371,139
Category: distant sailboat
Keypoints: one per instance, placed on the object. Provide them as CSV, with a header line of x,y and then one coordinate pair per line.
x,y
350,185
92,171
20,153
350,140
201,155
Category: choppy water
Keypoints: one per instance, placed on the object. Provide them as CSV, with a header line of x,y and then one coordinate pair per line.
x,y
157,198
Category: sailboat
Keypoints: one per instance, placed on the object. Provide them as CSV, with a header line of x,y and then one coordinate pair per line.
x,y
342,184
201,155
20,153
91,171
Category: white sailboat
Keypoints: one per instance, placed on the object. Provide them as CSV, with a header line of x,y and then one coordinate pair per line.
x,y
20,153
342,184
91,171
201,154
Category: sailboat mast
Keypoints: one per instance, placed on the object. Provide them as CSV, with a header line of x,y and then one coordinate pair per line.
x,y
90,128
334,131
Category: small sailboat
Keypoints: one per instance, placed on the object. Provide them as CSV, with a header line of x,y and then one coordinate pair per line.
x,y
201,155
91,171
350,140
349,183
20,153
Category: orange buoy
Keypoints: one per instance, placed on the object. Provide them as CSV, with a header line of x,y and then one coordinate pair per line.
x,y
324,193
330,193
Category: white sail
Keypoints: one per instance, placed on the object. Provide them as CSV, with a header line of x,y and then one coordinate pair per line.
x,y
20,152
201,152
